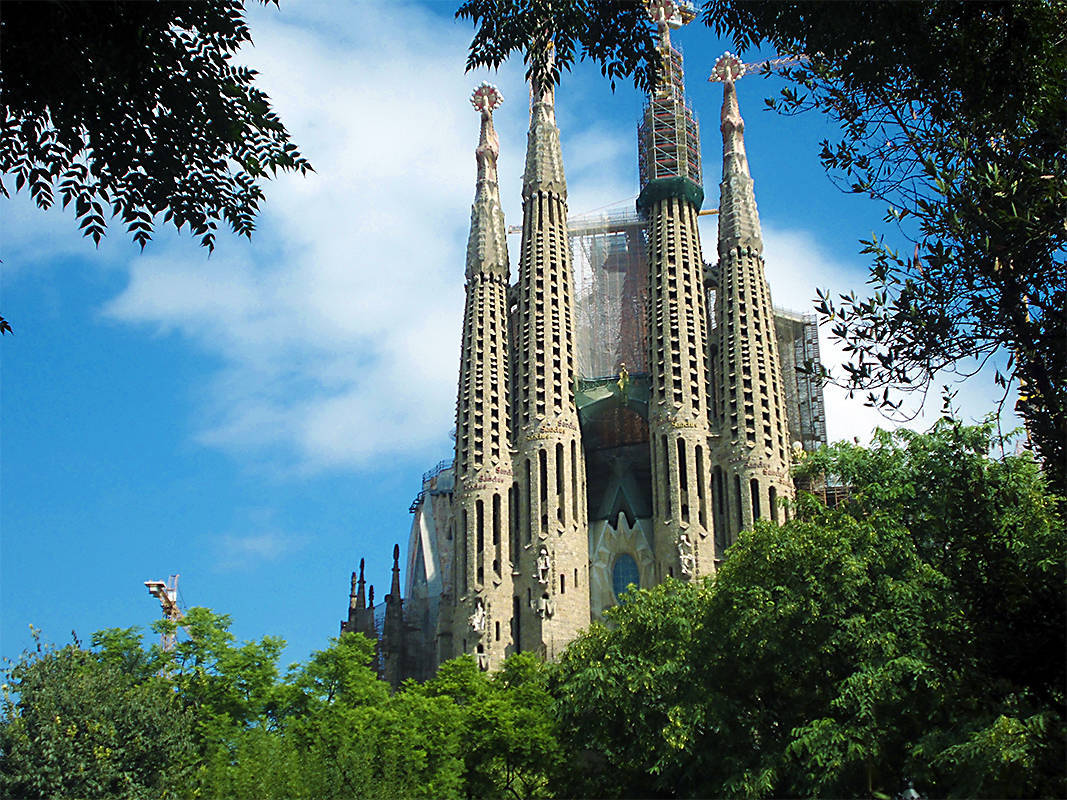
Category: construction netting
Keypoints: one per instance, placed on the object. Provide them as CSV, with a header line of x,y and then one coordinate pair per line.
x,y
610,258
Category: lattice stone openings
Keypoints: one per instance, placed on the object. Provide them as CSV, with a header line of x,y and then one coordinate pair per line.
x,y
677,320
481,508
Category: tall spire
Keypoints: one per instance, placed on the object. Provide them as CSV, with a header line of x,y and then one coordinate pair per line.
x,y
544,157
487,249
750,399
550,505
479,575
738,218
678,420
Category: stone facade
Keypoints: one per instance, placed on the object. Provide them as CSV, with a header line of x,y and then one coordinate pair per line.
x,y
566,488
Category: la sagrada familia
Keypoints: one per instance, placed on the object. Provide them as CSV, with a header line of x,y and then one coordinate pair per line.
x,y
624,410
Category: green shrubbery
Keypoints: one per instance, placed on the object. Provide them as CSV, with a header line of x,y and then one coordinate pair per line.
x,y
916,632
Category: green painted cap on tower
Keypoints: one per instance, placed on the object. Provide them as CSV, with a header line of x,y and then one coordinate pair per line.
x,y
662,188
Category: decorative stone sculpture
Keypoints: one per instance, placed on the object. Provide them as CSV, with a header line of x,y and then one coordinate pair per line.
x,y
545,607
685,554
477,619
544,566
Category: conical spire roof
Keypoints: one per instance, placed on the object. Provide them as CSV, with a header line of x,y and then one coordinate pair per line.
x,y
739,223
358,598
394,589
487,247
544,157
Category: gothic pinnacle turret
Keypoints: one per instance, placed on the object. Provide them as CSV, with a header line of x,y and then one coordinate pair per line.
x,y
360,616
477,593
679,425
550,534
358,584
393,641
754,432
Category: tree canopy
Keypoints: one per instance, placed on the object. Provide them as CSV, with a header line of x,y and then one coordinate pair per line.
x,y
137,110
915,633
216,718
954,114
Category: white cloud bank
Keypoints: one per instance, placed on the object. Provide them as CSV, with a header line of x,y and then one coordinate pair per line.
x,y
338,328
336,332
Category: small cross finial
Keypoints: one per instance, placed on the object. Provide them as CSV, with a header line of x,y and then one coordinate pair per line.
x,y
728,68
486,98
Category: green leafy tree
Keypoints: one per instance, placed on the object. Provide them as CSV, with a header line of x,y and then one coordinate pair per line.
x,y
952,113
624,693
916,632
73,723
507,732
337,733
137,110
224,684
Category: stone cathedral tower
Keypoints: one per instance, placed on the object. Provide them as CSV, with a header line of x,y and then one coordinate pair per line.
x,y
753,469
477,598
550,532
678,415
624,408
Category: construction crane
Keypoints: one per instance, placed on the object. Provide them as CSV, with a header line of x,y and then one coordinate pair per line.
x,y
167,594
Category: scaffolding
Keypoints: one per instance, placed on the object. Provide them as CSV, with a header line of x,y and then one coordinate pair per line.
x,y
669,136
798,353
610,258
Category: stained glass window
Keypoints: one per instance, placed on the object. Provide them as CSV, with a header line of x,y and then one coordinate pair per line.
x,y
624,573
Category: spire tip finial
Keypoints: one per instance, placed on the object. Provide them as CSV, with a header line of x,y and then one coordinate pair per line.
x,y
486,98
728,68
672,13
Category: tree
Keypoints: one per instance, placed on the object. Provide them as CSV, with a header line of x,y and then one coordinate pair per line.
x,y
917,632
507,733
74,724
952,113
137,110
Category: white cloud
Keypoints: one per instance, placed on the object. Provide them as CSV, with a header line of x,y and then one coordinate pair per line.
x,y
338,328
237,551
796,265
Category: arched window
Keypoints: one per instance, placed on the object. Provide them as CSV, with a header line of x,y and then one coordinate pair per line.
x,y
624,573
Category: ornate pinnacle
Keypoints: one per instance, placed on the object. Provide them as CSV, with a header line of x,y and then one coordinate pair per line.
x,y
486,99
669,14
357,586
728,68
395,588
738,218
486,246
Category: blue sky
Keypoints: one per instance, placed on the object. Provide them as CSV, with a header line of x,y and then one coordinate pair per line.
x,y
259,419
